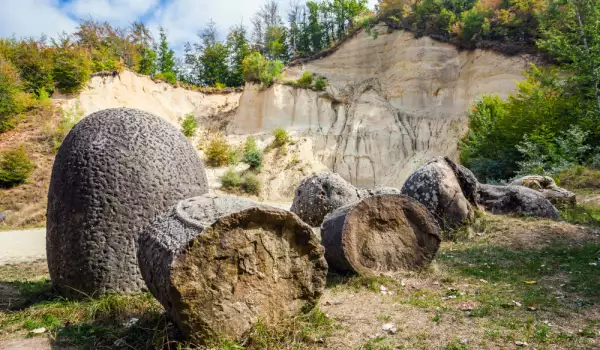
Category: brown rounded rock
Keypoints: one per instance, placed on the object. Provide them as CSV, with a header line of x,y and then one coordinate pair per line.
x,y
380,234
218,264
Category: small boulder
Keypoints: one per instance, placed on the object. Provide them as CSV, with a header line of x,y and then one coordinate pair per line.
x,y
219,264
320,194
516,200
436,186
548,188
380,234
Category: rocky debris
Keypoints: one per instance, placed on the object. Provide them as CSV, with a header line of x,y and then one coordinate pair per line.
x,y
383,233
4,215
115,171
320,194
516,200
364,193
438,188
219,264
548,188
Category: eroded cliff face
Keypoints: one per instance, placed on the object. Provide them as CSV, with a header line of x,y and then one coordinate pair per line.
x,y
132,90
392,102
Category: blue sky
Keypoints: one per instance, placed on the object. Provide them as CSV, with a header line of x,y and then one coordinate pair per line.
x,y
182,19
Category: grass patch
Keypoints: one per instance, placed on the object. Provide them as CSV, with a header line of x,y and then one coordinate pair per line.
x,y
583,214
579,177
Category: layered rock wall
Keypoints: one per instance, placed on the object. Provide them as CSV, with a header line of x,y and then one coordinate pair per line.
x,y
392,102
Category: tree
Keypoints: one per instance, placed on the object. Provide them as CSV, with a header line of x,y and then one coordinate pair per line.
x,y
213,60
237,43
147,63
571,34
166,56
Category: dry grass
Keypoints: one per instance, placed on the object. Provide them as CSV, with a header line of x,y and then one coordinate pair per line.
x,y
519,280
27,202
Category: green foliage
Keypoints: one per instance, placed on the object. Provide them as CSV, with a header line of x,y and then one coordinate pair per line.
x,y
147,64
252,155
306,80
251,184
189,125
166,58
257,69
321,84
10,88
231,180
15,167
237,43
71,70
579,177
538,129
217,151
281,137
55,133
168,77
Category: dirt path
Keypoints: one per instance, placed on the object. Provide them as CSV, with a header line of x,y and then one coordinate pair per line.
x,y
22,246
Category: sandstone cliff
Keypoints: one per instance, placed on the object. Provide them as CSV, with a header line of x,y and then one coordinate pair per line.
x,y
132,90
392,102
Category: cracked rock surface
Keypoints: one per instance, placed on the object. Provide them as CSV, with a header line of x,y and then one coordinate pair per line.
x,y
115,171
218,264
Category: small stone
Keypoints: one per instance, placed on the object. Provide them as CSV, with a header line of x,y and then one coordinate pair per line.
x,y
38,330
390,328
517,303
483,281
131,322
531,308
521,343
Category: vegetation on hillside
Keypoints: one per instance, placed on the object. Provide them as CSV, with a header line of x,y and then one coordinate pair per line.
x,y
552,122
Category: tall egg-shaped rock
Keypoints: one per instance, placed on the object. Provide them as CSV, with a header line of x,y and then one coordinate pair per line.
x,y
115,171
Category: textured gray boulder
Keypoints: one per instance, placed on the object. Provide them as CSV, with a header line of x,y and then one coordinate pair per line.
x,y
380,234
516,200
548,188
320,194
218,264
436,186
115,171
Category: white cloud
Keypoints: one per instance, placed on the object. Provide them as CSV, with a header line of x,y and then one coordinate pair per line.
x,y
182,19
25,18
118,12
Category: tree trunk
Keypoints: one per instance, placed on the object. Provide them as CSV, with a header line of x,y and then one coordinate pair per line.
x,y
380,234
219,264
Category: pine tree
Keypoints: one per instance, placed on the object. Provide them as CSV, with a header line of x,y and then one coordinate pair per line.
x,y
166,56
237,43
213,60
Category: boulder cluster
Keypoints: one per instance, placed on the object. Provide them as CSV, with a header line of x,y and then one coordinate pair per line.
x,y
128,209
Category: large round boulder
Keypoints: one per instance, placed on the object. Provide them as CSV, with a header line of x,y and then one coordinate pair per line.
x,y
436,186
115,171
219,264
380,234
516,200
320,194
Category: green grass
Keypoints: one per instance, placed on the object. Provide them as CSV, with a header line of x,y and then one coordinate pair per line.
x,y
583,214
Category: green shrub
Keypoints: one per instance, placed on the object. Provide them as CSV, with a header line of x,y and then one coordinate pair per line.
x,y
257,69
10,89
252,155
72,69
217,151
56,133
251,184
189,125
15,167
579,177
231,180
306,80
235,156
168,77
281,137
321,84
